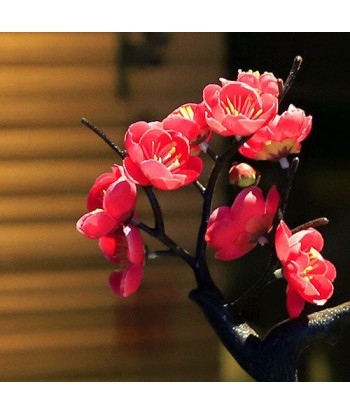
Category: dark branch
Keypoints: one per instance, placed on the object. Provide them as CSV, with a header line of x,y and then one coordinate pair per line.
x,y
274,358
291,77
158,231
200,187
311,224
208,197
104,137
159,254
285,193
202,273
238,337
267,277
211,154
158,216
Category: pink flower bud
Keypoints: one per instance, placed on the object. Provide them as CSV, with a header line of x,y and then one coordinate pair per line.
x,y
243,175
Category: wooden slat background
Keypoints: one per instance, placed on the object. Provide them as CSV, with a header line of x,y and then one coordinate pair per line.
x,y
58,319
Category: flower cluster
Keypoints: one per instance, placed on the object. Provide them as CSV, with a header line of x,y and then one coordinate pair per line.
x,y
111,203
168,154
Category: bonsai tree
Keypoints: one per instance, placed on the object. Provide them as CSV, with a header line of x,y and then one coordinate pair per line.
x,y
167,155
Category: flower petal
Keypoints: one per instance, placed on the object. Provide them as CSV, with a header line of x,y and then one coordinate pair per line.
x,y
295,303
249,202
96,193
127,282
216,126
282,236
272,200
134,173
96,224
184,125
120,199
241,125
308,238
114,247
240,247
331,272
221,229
324,287
153,169
135,246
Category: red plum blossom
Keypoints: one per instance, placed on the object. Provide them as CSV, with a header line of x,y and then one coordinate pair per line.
x,y
159,157
281,137
236,230
308,274
235,108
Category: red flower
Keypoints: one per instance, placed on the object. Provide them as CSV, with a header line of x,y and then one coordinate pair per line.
x,y
265,83
158,157
238,109
98,190
111,202
189,120
234,231
126,249
308,274
281,137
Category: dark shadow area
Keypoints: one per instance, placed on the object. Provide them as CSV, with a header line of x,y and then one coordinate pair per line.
x,y
321,186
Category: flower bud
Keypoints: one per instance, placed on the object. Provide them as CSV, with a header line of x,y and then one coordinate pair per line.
x,y
243,175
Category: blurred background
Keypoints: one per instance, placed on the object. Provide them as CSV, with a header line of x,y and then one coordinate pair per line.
x,y
58,319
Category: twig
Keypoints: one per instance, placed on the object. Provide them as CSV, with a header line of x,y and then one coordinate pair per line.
x,y
101,134
285,194
211,153
202,274
159,254
267,277
200,187
157,212
158,231
291,77
207,203
311,224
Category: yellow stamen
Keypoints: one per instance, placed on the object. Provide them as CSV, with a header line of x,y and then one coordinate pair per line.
x,y
170,153
174,164
258,113
232,107
187,112
251,112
